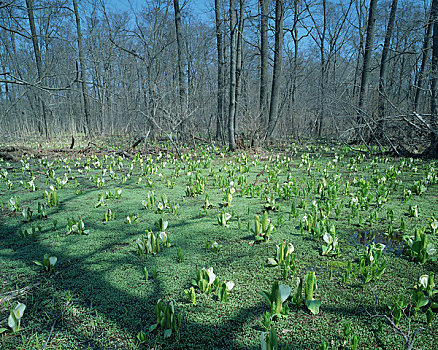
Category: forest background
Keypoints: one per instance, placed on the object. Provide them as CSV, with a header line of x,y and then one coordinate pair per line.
x,y
360,71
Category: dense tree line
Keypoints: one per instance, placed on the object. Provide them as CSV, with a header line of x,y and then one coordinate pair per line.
x,y
256,69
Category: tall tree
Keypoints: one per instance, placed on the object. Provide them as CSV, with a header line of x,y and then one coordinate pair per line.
x,y
323,70
276,75
38,60
239,62
433,149
179,43
233,63
366,66
384,65
82,69
264,59
425,54
220,71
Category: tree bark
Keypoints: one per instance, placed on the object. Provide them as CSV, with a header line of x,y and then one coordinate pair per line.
x,y
220,71
239,62
82,68
179,43
276,76
367,58
264,60
425,54
434,83
39,63
233,62
383,66
323,71
359,12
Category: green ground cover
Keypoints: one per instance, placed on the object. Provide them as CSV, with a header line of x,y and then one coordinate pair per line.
x,y
348,218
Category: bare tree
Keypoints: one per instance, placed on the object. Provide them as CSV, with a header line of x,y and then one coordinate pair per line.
x,y
276,76
82,69
220,71
233,63
424,55
384,65
38,60
239,62
433,148
366,67
179,43
264,60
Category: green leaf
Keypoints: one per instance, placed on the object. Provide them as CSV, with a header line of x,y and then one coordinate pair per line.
x,y
264,345
272,262
430,249
153,327
285,291
313,306
167,333
420,299
53,260
267,297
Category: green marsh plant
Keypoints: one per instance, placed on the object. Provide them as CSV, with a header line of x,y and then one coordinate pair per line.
x,y
223,219
14,319
372,265
109,215
262,228
418,247
331,246
76,226
285,258
206,280
150,243
167,320
52,197
276,298
48,263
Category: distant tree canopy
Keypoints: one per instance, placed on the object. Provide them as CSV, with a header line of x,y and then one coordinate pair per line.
x,y
358,70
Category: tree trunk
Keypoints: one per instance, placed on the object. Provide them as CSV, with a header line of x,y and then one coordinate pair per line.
x,y
367,59
220,72
294,33
179,43
359,11
264,60
239,62
434,84
233,63
39,63
322,72
82,68
276,76
383,66
425,54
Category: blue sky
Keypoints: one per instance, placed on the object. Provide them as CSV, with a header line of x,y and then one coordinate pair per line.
x,y
200,8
